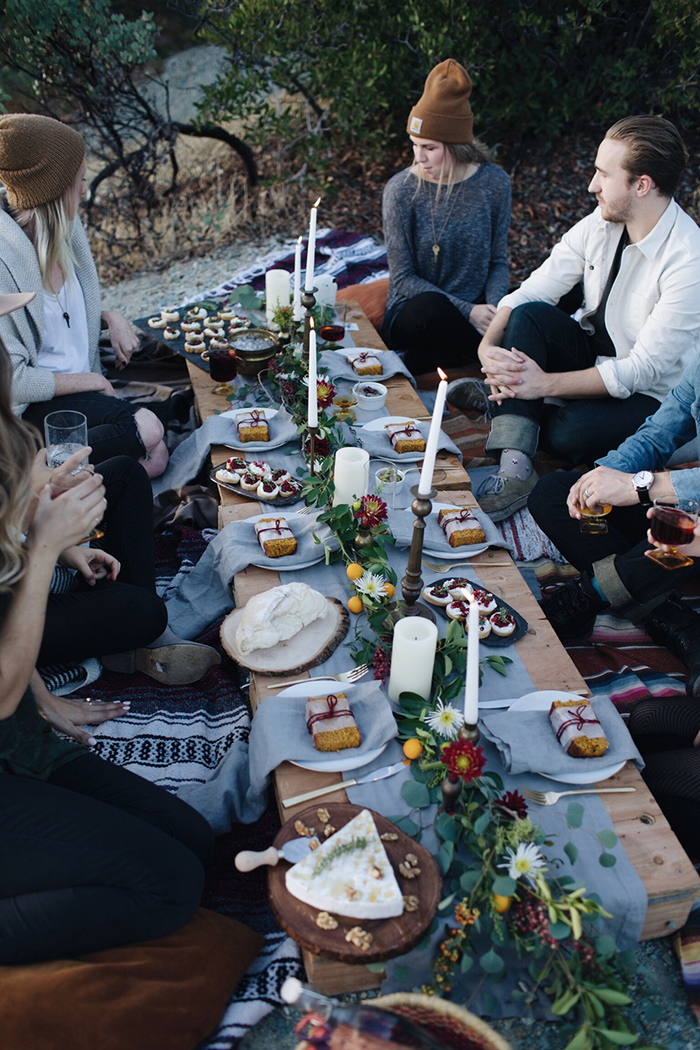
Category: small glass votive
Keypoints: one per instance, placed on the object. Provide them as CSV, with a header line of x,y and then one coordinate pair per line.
x,y
389,480
593,522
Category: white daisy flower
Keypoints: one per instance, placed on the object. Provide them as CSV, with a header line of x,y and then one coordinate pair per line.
x,y
524,862
445,720
371,584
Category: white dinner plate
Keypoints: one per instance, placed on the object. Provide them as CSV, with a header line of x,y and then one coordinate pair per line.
x,y
339,762
254,446
445,552
542,701
292,562
403,457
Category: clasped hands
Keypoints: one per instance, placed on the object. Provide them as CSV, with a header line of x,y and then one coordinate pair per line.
x,y
510,373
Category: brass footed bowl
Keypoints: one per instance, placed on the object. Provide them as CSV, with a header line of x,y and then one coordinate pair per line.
x,y
255,348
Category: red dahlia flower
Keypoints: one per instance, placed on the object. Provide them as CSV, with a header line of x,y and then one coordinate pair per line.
x,y
372,512
464,760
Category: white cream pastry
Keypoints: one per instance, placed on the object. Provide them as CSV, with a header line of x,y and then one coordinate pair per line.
x,y
195,346
278,614
170,314
267,489
156,322
249,482
229,477
219,344
259,467
191,326
171,333
349,874
212,333
502,623
437,594
485,601
458,586
197,313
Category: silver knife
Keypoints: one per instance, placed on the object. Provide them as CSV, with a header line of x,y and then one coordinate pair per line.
x,y
377,774
293,851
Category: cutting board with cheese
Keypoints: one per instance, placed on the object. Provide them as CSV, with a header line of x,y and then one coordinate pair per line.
x,y
358,859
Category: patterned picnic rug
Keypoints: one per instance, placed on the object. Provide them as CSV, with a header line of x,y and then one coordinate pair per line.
x,y
176,736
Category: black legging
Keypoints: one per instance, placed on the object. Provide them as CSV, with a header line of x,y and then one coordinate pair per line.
x,y
93,858
112,616
431,331
112,429
664,731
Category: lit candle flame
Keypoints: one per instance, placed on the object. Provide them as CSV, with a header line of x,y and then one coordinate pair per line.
x,y
316,206
443,375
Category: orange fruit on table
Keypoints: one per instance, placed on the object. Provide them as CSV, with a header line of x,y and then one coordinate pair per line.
x,y
413,748
355,604
354,570
501,904
389,590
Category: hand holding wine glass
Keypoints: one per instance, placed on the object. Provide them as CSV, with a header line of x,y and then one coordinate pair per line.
x,y
673,525
65,520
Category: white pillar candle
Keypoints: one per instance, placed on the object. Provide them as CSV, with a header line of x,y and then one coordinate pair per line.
x,y
471,684
350,475
313,392
298,312
326,289
426,476
412,657
276,291
311,249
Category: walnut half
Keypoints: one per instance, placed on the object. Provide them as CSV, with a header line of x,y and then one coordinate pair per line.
x,y
324,921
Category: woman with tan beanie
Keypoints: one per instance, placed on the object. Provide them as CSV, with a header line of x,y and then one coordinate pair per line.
x,y
446,220
53,342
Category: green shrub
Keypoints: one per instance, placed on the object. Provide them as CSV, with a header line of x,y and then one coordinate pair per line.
x,y
319,78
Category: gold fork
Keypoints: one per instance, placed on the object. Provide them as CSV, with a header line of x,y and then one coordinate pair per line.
x,y
440,566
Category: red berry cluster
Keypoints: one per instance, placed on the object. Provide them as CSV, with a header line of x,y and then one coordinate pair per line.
x,y
530,916
381,662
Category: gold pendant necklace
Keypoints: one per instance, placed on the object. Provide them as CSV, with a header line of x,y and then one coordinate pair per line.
x,y
436,239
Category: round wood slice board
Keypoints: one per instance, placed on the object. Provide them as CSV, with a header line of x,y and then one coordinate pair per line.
x,y
391,937
309,647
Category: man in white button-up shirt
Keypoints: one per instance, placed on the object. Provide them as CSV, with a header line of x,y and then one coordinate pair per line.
x,y
638,257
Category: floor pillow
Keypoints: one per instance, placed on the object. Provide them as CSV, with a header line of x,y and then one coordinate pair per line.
x,y
166,994
371,296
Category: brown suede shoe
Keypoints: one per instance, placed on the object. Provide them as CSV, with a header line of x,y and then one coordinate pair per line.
x,y
178,664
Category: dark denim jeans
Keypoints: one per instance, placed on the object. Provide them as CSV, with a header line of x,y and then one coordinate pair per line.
x,y
578,431
112,429
431,332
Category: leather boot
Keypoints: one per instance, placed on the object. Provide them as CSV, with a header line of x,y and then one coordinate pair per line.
x,y
678,629
572,609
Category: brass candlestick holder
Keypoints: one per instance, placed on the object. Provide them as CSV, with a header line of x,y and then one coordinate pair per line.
x,y
308,301
469,732
412,583
313,431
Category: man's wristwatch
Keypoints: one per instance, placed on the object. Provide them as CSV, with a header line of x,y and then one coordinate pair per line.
x,y
642,482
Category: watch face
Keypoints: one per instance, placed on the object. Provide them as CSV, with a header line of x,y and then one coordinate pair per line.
x,y
643,479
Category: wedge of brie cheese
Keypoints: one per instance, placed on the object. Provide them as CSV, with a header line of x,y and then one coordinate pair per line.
x,y
349,874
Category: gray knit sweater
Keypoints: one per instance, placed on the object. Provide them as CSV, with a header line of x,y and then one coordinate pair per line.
x,y
472,265
21,332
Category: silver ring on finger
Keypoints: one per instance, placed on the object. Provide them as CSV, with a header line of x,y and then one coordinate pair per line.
x,y
586,493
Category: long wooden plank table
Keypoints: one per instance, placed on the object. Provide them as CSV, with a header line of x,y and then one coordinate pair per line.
x,y
670,880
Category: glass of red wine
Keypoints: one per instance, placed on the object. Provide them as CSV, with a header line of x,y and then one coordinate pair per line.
x,y
672,523
223,368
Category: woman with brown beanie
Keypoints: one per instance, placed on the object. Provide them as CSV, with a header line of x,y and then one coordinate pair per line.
x,y
53,343
446,220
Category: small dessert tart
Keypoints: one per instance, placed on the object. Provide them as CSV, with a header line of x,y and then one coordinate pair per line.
x,y
457,609
249,482
212,333
236,323
218,343
170,314
280,475
486,603
502,623
289,488
484,627
171,333
197,313
191,326
259,467
237,463
229,477
195,346
157,322
267,489
437,594
457,585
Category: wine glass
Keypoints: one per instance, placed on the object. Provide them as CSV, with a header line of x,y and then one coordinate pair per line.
x,y
223,367
672,523
66,432
593,522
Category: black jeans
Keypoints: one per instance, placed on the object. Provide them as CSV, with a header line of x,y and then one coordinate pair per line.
x,y
112,616
643,579
431,331
112,429
93,858
580,431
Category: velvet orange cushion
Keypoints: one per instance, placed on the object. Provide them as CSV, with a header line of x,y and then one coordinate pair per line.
x,y
371,297
166,994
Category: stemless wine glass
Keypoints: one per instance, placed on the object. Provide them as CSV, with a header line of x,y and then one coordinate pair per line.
x,y
672,523
593,521
66,432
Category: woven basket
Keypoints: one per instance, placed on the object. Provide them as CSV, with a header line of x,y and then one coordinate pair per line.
x,y
452,1025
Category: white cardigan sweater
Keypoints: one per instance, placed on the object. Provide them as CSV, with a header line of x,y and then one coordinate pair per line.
x,y
21,332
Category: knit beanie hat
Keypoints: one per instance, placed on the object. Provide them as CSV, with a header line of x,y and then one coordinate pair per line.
x,y
443,112
39,158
